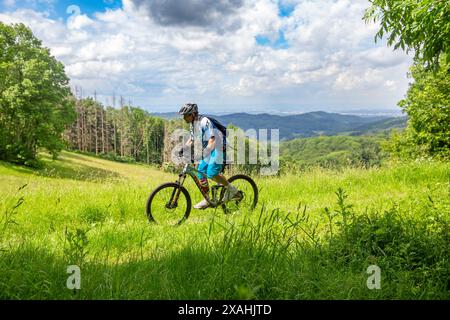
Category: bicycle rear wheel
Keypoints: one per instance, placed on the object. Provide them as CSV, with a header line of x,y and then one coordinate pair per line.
x,y
169,204
247,198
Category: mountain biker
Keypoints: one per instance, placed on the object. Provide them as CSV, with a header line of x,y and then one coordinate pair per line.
x,y
201,127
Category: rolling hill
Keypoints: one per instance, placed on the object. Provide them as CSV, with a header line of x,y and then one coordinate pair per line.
x,y
308,124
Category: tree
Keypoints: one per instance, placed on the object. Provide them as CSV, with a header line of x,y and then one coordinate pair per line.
x,y
35,99
428,106
422,26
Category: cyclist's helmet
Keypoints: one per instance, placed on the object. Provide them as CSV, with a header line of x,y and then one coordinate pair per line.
x,y
188,108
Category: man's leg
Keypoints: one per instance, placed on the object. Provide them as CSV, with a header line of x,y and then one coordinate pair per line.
x,y
213,173
203,167
215,168
220,178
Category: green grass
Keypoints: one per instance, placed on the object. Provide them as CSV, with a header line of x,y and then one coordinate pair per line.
x,y
303,241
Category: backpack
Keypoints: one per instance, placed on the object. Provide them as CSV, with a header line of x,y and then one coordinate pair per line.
x,y
223,130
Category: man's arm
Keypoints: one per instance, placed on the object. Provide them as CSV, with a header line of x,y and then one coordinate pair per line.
x,y
210,147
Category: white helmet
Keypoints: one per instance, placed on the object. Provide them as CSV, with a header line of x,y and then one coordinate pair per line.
x,y
188,108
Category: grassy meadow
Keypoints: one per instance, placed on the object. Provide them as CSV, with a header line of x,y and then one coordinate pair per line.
x,y
312,236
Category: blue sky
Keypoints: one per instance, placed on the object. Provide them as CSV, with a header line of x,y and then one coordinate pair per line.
x,y
88,7
58,9
283,56
285,9
279,43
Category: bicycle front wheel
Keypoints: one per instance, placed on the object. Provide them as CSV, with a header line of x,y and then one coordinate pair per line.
x,y
169,204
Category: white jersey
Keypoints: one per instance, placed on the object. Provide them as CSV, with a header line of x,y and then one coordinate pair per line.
x,y
204,130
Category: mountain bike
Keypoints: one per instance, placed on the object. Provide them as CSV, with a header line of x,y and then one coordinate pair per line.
x,y
170,203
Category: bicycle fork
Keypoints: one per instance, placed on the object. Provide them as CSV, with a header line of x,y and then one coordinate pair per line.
x,y
173,201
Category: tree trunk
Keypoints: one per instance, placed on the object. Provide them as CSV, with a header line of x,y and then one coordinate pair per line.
x,y
103,132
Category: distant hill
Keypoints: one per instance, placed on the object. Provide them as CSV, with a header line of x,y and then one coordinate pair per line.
x,y
385,124
166,115
333,151
307,124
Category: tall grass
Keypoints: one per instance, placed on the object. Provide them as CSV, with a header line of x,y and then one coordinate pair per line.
x,y
313,236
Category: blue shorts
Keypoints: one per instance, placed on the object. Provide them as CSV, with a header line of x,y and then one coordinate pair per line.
x,y
210,166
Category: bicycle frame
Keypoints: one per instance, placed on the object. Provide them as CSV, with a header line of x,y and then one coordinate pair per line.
x,y
191,171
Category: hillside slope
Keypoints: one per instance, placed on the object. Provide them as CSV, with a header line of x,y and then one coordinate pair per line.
x,y
91,212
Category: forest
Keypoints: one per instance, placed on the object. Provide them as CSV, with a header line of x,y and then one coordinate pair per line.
x,y
124,134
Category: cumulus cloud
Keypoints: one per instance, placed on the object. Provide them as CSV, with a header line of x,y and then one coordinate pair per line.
x,y
219,15
161,53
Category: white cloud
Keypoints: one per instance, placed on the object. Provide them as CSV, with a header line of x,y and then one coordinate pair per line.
x,y
9,3
330,54
79,22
